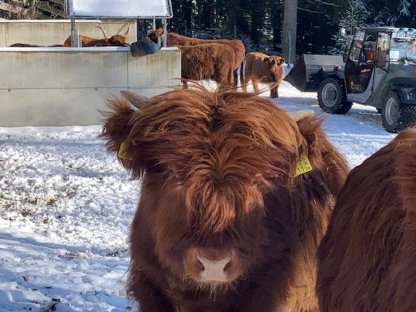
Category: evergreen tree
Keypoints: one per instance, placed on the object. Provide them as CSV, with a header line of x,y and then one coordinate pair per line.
x,y
182,20
399,13
353,17
276,17
257,12
318,23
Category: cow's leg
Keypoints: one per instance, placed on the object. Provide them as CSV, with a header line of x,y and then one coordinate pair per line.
x,y
244,85
232,79
274,93
184,85
246,80
242,73
256,87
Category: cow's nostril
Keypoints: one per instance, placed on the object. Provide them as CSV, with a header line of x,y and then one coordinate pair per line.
x,y
227,267
199,265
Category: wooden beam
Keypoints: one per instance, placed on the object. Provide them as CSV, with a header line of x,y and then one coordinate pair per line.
x,y
9,8
60,2
46,8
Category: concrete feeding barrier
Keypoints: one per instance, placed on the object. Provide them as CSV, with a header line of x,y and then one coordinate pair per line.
x,y
69,86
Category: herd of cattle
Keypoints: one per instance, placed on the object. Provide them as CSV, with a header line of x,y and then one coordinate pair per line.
x,y
245,207
217,59
220,60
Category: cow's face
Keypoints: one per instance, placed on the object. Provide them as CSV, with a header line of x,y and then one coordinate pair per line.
x,y
155,34
118,40
208,159
275,63
206,231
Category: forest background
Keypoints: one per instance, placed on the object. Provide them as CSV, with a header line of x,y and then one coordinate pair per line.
x,y
259,23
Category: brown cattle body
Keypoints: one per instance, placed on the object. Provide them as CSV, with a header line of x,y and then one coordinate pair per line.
x,y
367,260
28,45
115,40
223,224
208,61
176,40
265,69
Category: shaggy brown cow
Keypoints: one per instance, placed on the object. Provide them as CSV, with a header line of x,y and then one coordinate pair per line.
x,y
367,260
265,69
175,40
227,220
115,40
207,61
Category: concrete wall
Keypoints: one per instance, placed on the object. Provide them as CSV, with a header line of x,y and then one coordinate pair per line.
x,y
69,86
51,32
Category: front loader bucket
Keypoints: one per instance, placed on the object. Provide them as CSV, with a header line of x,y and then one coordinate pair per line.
x,y
309,70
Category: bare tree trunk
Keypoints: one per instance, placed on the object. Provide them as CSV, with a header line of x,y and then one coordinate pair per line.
x,y
290,20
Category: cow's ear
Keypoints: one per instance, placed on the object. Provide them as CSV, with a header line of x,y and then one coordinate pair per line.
x,y
308,125
117,127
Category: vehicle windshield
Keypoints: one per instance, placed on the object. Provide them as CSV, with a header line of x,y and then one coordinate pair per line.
x,y
403,45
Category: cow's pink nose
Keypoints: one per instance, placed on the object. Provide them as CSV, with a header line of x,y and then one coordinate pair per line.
x,y
213,270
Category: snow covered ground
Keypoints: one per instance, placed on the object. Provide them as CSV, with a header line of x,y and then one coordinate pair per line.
x,y
66,206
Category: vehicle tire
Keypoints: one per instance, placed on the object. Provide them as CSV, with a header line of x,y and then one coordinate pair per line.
x,y
395,116
332,97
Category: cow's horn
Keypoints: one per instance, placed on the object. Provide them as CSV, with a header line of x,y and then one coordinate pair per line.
x,y
298,115
135,99
127,31
104,33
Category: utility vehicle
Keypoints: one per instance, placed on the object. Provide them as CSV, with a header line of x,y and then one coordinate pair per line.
x,y
379,70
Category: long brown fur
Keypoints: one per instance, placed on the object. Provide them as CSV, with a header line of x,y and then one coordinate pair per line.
x,y
367,260
208,61
217,172
176,40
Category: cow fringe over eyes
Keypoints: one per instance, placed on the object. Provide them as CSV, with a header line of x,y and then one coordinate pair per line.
x,y
214,142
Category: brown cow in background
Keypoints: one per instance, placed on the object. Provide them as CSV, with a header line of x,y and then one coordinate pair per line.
x,y
175,40
367,260
265,69
207,61
115,40
226,221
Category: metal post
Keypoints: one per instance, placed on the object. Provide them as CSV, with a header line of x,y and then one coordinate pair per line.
x,y
289,59
75,42
138,29
165,33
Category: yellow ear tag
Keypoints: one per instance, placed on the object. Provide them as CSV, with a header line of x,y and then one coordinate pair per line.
x,y
303,165
122,151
